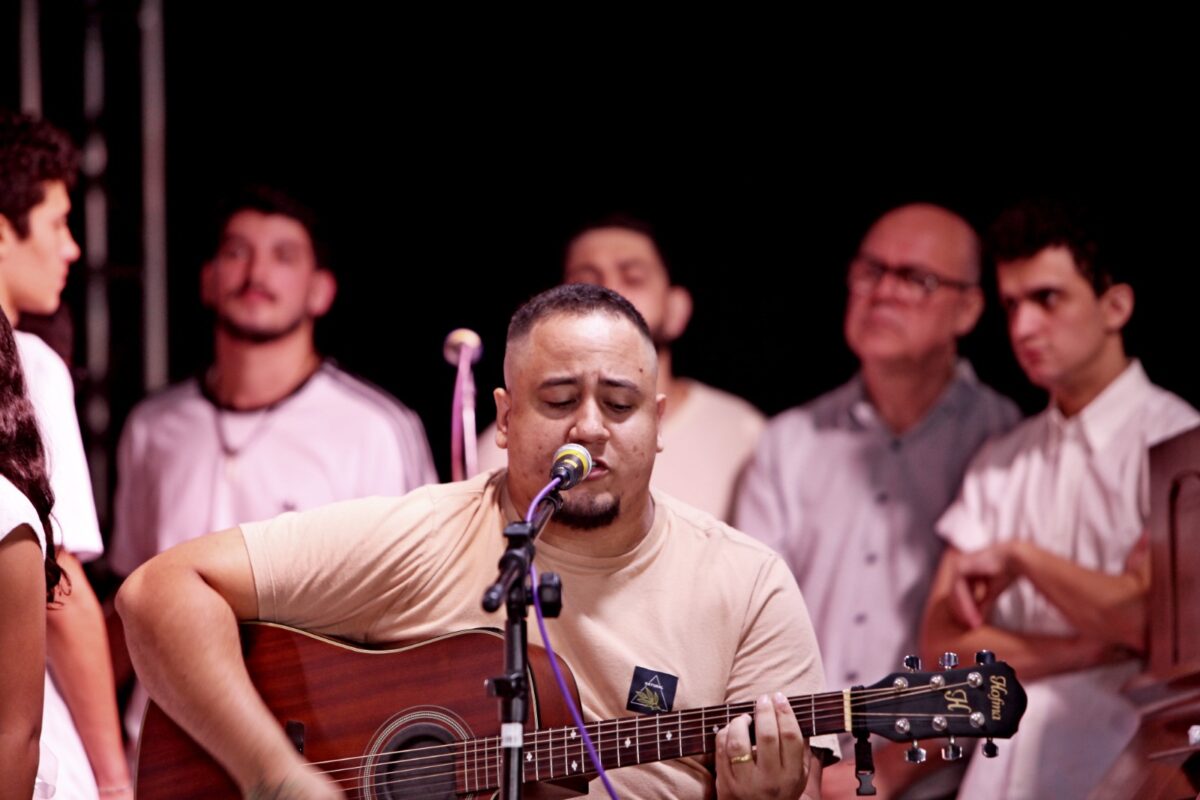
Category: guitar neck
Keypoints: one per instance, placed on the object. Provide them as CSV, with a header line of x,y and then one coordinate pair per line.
x,y
556,753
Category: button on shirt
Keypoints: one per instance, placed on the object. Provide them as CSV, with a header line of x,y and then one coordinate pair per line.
x,y
851,507
1077,488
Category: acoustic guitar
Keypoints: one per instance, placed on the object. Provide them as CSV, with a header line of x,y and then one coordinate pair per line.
x,y
415,721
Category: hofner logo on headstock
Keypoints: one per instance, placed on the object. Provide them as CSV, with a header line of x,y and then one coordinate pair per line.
x,y
956,699
997,694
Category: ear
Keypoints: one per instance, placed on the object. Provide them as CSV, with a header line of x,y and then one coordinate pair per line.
x,y
678,312
969,310
503,407
660,403
322,288
1116,304
208,284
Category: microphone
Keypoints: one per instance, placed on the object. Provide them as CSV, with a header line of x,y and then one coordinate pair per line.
x,y
572,463
461,339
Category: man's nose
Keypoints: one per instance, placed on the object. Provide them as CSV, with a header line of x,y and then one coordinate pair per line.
x,y
256,266
889,286
71,251
590,425
1024,320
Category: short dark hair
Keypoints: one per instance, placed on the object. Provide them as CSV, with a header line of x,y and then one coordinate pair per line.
x,y
269,200
32,152
1025,229
576,299
630,222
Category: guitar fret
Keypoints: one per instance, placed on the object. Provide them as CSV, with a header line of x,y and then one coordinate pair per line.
x,y
601,748
657,737
466,785
637,738
679,731
535,751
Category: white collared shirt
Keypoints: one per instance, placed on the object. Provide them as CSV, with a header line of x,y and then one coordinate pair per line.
x,y
1076,487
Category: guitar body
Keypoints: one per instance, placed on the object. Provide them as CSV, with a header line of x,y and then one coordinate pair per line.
x,y
373,708
415,721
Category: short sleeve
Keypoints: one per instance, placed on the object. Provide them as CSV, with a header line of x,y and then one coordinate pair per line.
x,y
339,568
778,649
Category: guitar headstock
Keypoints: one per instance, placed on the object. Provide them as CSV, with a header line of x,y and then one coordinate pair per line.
x,y
981,700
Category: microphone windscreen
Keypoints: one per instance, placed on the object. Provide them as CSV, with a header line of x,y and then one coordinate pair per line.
x,y
458,340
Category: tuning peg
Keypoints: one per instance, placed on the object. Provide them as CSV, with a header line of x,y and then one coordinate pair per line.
x,y
948,660
952,751
989,748
984,657
915,754
912,663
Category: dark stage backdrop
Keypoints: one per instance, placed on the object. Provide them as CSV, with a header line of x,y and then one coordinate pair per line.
x,y
448,181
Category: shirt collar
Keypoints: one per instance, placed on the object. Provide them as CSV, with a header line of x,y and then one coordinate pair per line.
x,y
957,393
1099,421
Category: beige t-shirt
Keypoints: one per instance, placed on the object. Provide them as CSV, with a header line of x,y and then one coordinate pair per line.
x,y
695,600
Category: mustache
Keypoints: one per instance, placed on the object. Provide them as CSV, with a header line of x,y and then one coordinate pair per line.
x,y
252,286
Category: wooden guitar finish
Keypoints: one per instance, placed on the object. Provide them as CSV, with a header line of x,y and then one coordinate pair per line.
x,y
369,720
345,697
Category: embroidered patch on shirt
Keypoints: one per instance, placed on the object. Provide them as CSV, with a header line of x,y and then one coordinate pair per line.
x,y
651,692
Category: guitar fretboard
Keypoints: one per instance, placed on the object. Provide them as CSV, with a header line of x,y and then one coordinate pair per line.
x,y
555,753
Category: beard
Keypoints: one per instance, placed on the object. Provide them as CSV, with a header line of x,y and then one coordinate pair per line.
x,y
257,335
588,513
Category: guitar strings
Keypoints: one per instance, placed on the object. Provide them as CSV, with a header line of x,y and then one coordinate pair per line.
x,y
832,702
826,702
685,728
483,772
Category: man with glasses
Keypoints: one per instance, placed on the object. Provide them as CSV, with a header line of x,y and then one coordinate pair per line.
x,y
848,487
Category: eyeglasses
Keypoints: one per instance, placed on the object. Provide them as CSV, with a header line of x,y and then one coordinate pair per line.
x,y
913,283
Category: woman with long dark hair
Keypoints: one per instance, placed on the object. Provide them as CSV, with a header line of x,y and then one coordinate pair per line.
x,y
28,576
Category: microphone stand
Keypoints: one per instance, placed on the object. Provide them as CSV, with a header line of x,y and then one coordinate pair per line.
x,y
513,686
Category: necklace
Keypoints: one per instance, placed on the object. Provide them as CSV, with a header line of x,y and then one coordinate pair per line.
x,y
232,452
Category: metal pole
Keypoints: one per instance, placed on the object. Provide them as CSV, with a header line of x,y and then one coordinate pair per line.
x,y
31,59
97,412
154,198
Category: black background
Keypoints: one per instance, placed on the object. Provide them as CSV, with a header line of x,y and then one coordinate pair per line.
x,y
450,160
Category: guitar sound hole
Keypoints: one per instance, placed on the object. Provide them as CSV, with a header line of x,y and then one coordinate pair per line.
x,y
415,762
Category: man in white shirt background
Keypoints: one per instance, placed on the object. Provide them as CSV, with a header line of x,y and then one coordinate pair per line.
x,y
1045,561
271,426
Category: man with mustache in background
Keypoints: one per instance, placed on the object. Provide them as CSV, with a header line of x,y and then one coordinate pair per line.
x,y
271,426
